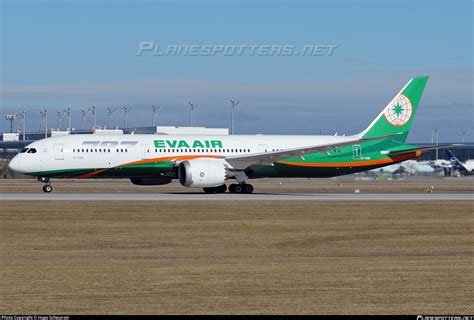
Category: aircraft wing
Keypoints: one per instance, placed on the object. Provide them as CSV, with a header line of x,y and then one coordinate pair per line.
x,y
420,149
242,162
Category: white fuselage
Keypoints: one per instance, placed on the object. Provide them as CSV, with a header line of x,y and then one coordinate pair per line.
x,y
107,151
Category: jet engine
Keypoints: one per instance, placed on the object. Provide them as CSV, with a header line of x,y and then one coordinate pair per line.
x,y
150,181
202,172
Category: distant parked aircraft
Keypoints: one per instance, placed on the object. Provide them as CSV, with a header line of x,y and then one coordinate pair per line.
x,y
466,168
409,166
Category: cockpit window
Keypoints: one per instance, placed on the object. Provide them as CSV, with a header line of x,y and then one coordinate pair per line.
x,y
31,150
24,150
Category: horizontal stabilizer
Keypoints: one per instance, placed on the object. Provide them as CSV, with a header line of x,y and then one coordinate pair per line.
x,y
418,149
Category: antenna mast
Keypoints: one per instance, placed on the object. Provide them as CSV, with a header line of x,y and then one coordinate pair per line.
x,y
126,110
11,118
233,104
155,111
44,118
110,112
21,116
85,112
191,111
94,117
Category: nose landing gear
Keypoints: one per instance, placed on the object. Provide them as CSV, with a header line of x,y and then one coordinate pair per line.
x,y
47,187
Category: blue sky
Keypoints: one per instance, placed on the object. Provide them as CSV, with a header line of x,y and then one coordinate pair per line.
x,y
80,53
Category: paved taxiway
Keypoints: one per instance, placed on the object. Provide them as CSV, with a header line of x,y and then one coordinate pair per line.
x,y
238,197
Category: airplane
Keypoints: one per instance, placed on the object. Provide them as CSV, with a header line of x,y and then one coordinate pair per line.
x,y
441,163
209,161
466,168
409,166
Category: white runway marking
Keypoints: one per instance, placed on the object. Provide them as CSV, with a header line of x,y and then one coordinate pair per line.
x,y
237,197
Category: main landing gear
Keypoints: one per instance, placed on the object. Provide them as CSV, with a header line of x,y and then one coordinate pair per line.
x,y
233,188
47,187
240,188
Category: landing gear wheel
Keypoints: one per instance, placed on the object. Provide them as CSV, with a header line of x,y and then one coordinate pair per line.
x,y
238,188
247,188
47,188
241,188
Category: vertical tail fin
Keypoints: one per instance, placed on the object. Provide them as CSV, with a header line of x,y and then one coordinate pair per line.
x,y
455,161
397,116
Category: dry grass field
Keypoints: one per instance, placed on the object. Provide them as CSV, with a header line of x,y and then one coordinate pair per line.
x,y
236,257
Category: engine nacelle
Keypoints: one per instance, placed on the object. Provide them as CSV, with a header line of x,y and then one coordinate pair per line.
x,y
198,173
150,181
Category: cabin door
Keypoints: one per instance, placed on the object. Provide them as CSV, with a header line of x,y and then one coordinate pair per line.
x,y
262,148
58,151
356,151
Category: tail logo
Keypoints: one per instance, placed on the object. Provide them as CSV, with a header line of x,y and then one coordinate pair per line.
x,y
399,112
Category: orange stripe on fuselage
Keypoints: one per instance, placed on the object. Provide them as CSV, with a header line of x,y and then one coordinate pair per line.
x,y
162,159
291,163
352,164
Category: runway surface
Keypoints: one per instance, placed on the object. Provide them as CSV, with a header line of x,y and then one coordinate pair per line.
x,y
236,197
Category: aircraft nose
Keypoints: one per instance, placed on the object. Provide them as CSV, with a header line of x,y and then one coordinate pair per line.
x,y
15,164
